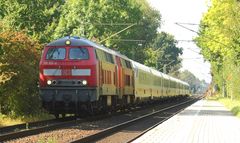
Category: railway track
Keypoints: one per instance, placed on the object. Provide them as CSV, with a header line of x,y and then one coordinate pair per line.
x,y
32,130
23,130
13,134
27,129
107,133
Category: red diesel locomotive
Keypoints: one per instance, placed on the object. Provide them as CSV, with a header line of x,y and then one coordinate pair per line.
x,y
79,75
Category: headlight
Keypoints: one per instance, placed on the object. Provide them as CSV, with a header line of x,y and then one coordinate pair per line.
x,y
84,82
49,82
68,42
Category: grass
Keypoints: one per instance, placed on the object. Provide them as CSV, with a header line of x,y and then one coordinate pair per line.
x,y
232,105
8,120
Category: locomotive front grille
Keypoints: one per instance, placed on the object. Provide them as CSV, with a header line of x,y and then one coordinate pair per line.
x,y
67,82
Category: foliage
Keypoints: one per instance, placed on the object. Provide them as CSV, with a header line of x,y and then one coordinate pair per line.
x,y
230,74
99,20
219,40
164,54
36,17
219,28
19,70
196,85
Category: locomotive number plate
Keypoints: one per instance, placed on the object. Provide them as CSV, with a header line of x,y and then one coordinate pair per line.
x,y
66,72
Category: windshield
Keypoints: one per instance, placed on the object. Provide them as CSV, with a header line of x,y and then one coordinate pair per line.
x,y
56,54
78,54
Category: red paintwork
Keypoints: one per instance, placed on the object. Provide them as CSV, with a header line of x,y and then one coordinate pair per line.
x,y
67,65
119,81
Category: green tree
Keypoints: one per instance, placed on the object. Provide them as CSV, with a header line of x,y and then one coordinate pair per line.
x,y
219,40
36,17
100,19
164,54
196,85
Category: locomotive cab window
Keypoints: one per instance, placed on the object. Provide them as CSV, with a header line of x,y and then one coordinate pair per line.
x,y
56,54
78,54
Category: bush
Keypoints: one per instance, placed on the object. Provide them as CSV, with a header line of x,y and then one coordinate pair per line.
x,y
19,71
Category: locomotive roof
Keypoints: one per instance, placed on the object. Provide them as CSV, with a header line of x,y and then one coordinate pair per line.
x,y
79,41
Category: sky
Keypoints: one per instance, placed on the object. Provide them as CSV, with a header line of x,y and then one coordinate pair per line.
x,y
185,11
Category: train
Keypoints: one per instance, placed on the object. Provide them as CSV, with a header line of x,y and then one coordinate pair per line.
x,y
78,75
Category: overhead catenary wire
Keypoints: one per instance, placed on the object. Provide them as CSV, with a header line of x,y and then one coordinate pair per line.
x,y
186,41
128,40
192,58
114,24
181,25
117,32
193,50
186,23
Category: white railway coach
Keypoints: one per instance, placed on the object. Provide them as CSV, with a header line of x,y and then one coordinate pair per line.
x,y
152,84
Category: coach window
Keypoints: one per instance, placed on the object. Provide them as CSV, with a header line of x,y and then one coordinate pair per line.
x,y
78,54
56,54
